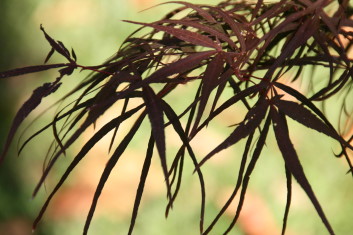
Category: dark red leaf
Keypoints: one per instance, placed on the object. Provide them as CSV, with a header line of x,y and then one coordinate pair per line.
x,y
155,114
304,116
174,120
234,26
210,80
312,107
35,99
292,161
237,186
29,69
207,29
303,33
57,46
109,167
182,65
141,186
289,199
51,52
73,54
234,99
251,122
196,8
184,35
255,156
68,113
221,86
84,150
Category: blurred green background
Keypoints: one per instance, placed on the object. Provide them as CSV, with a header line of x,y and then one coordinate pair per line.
x,y
95,30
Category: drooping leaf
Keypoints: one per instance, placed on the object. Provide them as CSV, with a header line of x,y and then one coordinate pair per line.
x,y
182,134
141,186
209,81
292,162
78,107
251,122
84,150
155,114
251,166
237,186
31,103
68,143
109,167
126,102
234,99
289,199
207,29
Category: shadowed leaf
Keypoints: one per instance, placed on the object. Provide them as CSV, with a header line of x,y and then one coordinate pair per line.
x,y
31,103
29,69
57,46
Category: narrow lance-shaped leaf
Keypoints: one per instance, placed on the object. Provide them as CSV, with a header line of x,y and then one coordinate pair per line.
x,y
84,150
251,122
184,35
126,102
234,99
182,65
308,103
255,156
233,25
35,99
109,167
212,31
59,47
304,116
141,186
237,186
292,161
30,69
51,52
209,81
68,113
289,199
155,115
205,14
68,143
174,120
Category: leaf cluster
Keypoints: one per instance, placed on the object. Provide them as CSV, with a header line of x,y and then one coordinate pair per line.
x,y
244,46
